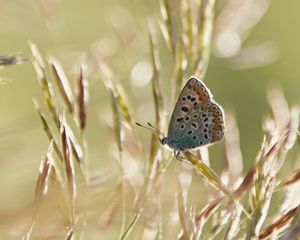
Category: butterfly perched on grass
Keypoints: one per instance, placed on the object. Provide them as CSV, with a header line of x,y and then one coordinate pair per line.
x,y
197,120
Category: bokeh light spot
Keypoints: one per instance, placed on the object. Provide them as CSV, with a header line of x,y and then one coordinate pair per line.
x,y
141,74
228,44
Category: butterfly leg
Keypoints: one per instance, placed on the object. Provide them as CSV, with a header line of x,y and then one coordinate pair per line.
x,y
181,159
176,154
197,157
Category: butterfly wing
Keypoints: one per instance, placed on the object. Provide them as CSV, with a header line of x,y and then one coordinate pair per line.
x,y
197,119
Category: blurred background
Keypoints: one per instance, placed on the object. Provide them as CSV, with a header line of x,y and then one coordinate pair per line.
x,y
251,53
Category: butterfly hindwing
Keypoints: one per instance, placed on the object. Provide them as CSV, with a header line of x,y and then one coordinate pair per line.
x,y
196,120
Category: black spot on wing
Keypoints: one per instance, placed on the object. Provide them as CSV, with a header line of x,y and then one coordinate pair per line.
x,y
184,109
179,119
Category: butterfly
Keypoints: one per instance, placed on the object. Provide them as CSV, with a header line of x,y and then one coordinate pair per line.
x,y
197,120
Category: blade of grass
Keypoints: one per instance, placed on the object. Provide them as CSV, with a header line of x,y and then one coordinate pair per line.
x,y
69,170
188,26
204,215
212,179
202,62
166,25
156,83
45,85
178,71
208,175
70,234
280,223
156,92
62,83
82,96
76,150
234,224
130,226
42,185
48,130
117,122
57,185
183,216
118,91
124,106
44,172
293,232
222,219
261,208
292,179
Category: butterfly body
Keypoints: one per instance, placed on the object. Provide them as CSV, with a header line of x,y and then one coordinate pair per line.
x,y
197,120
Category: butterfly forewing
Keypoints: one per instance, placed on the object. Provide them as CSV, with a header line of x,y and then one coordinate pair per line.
x,y
197,119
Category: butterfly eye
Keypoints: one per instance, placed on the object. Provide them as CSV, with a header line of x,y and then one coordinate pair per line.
x,y
190,132
195,116
195,125
193,99
182,126
194,137
163,141
187,119
205,136
184,98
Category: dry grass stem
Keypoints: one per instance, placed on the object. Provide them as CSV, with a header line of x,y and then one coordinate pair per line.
x,y
292,179
278,224
166,25
48,130
45,85
62,83
82,97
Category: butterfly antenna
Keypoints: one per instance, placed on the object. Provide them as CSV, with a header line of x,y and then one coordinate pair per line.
x,y
151,128
155,129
